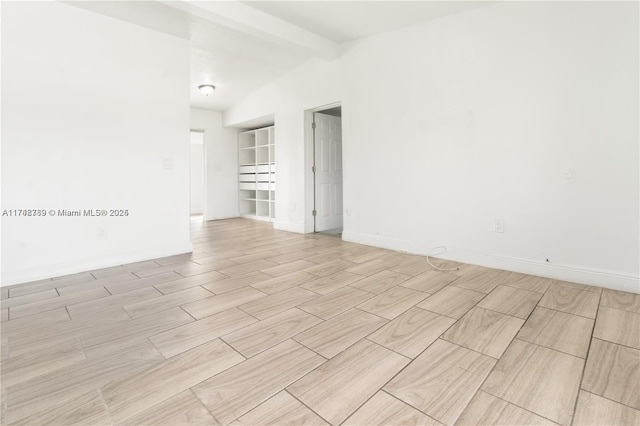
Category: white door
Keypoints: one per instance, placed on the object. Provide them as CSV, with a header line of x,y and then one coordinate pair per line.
x,y
328,172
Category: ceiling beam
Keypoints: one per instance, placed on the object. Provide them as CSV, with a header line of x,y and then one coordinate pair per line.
x,y
240,17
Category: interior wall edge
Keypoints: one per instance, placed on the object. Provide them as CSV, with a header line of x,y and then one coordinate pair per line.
x,y
607,279
290,227
42,272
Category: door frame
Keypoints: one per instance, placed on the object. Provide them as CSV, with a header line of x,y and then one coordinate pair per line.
x,y
309,198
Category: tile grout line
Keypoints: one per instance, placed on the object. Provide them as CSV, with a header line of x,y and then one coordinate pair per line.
x,y
584,366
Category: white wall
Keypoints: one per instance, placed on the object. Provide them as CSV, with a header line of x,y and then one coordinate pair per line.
x,y
95,115
526,112
197,173
221,164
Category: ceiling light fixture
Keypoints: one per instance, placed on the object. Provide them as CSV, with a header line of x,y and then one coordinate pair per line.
x,y
206,89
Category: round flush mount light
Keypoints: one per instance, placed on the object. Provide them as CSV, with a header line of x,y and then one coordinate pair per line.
x,y
206,89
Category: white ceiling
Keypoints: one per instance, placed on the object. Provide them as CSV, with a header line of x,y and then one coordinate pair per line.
x,y
342,21
239,46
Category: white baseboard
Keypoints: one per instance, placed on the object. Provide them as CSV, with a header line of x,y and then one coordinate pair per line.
x,y
41,272
290,227
589,276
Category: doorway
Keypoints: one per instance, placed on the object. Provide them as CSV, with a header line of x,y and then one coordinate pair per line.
x,y
197,199
327,170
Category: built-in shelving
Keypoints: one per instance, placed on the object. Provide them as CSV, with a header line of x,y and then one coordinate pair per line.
x,y
257,173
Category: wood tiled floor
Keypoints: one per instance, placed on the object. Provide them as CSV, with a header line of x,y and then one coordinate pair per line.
x,y
258,327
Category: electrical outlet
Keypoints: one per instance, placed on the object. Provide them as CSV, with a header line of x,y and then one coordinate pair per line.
x,y
101,235
498,225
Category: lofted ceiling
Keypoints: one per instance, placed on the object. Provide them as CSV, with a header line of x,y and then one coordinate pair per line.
x,y
239,46
343,21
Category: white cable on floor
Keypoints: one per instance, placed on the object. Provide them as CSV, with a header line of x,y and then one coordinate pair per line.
x,y
431,253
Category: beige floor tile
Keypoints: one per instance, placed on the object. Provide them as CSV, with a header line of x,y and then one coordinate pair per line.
x,y
44,335
381,282
141,391
164,268
366,255
245,268
281,409
290,257
332,282
167,301
111,339
103,282
154,280
85,276
385,410
20,368
188,336
237,282
29,298
620,300
267,306
325,255
33,287
483,280
243,387
484,331
593,410
244,258
613,372
412,332
219,265
511,301
485,409
413,265
617,326
41,384
338,333
54,303
287,268
236,257
335,303
119,270
337,388
179,410
178,258
31,323
330,268
84,409
557,330
430,281
452,301
57,387
284,282
570,300
517,379
527,282
105,305
372,267
221,302
38,286
578,286
393,302
193,281
265,334
442,380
